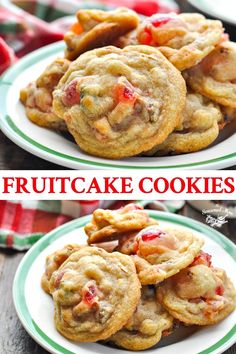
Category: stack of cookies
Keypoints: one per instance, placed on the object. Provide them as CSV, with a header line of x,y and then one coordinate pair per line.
x,y
162,85
134,281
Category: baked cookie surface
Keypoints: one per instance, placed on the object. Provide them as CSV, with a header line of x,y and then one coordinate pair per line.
x,y
110,107
201,125
97,28
94,293
161,253
37,96
146,326
54,261
113,224
215,76
184,39
199,294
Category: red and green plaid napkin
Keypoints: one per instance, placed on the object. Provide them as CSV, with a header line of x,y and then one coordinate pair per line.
x,y
26,25
22,223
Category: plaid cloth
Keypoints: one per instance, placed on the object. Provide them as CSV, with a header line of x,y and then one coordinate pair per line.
x,y
26,25
22,223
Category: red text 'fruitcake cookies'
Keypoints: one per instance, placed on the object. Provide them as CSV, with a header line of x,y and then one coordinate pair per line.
x,y
37,96
199,294
54,261
94,293
161,253
97,28
200,128
147,325
215,76
113,224
184,39
120,102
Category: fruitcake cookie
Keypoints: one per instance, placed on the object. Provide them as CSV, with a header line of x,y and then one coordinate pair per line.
x,y
229,114
201,124
147,325
94,293
112,224
184,39
54,261
200,294
97,28
110,106
37,96
161,253
126,243
215,76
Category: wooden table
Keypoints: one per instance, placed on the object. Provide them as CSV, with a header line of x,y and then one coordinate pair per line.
x,y
13,337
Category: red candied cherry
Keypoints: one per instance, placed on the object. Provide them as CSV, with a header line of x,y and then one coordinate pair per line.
x,y
160,20
89,294
219,290
125,94
146,36
71,96
203,258
152,235
147,236
155,21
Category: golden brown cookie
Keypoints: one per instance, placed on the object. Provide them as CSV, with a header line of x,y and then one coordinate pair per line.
x,y
202,121
200,295
94,293
161,253
97,28
112,109
147,325
127,244
37,96
184,39
113,224
54,261
215,76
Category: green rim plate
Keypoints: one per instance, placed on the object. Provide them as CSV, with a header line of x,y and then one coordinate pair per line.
x,y
23,269
14,132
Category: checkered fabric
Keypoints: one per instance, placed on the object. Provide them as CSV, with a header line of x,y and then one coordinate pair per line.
x,y
22,223
26,25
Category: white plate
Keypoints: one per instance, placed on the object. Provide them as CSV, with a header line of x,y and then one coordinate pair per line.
x,y
35,308
56,148
224,10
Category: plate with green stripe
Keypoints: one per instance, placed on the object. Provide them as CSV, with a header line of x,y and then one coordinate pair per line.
x,y
35,308
60,149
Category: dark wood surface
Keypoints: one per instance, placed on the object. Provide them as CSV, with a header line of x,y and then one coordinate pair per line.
x,y
13,337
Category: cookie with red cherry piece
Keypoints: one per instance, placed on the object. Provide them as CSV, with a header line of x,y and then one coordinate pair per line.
x,y
199,294
215,76
94,293
97,28
163,252
37,96
184,39
110,107
113,224
147,325
54,261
